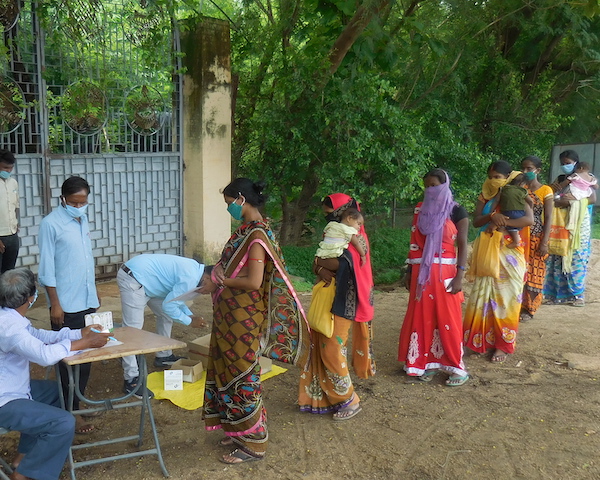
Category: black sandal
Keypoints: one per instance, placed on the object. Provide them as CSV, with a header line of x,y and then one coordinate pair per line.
x,y
240,455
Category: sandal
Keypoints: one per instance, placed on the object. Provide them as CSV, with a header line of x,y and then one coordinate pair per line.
x,y
347,413
499,356
427,376
82,428
578,302
225,442
455,380
525,317
239,456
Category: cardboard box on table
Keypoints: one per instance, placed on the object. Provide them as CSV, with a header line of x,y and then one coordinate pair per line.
x,y
192,369
198,350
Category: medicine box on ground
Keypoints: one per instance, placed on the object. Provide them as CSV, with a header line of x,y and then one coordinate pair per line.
x,y
192,369
198,349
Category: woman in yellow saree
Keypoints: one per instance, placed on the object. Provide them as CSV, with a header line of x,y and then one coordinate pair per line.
x,y
256,312
492,313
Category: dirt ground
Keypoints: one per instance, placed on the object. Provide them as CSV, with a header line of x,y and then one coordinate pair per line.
x,y
535,417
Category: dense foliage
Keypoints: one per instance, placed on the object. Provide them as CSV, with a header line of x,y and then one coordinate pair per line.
x,y
365,97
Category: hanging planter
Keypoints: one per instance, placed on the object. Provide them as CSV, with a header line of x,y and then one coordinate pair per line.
x,y
83,107
144,108
12,106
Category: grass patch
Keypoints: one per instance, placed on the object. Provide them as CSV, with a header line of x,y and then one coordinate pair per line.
x,y
595,230
389,248
299,261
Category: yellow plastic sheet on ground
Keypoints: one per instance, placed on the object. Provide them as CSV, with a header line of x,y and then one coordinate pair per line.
x,y
192,395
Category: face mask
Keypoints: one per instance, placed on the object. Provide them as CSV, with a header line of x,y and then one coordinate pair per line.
x,y
4,174
76,212
529,176
35,295
567,168
491,187
235,210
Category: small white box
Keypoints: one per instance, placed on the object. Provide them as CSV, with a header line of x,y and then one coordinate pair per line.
x,y
266,365
173,379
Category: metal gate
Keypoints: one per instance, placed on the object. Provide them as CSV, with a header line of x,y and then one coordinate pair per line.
x,y
91,88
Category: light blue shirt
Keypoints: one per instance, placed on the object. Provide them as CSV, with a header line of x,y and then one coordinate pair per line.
x,y
20,344
66,260
167,276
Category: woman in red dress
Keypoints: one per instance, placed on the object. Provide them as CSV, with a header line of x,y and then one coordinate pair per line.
x,y
432,333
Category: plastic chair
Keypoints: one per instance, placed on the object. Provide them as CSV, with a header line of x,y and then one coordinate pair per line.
x,y
6,470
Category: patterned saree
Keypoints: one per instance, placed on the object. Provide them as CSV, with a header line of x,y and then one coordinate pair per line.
x,y
247,324
491,317
536,264
326,385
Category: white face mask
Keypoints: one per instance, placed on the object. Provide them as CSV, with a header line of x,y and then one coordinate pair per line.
x,y
76,212
35,296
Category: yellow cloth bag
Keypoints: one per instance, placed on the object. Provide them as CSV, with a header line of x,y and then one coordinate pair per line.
x,y
320,317
485,259
558,241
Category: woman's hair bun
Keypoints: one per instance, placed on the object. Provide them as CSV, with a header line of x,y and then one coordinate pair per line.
x,y
259,187
252,191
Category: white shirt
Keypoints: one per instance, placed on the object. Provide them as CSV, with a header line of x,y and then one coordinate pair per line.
x,y
20,344
9,203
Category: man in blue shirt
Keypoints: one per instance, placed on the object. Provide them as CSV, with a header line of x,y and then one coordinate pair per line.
x,y
155,280
67,268
32,407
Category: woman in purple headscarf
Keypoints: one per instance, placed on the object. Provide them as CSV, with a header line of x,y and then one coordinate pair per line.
x,y
432,333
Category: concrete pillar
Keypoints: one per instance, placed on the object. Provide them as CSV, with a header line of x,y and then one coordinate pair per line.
x,y
206,137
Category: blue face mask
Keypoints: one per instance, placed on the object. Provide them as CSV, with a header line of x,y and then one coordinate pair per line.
x,y
76,212
567,168
4,174
35,295
235,210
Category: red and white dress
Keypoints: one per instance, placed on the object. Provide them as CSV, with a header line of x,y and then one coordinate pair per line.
x,y
432,332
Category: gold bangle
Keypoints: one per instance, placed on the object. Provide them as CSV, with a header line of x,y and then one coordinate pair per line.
x,y
319,269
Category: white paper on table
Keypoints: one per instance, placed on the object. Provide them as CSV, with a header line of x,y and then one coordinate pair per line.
x,y
189,295
101,318
110,343
173,379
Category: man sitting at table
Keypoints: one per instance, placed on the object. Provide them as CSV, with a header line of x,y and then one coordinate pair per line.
x,y
155,279
32,407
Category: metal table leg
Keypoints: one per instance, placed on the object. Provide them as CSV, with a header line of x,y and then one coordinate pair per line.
x,y
113,404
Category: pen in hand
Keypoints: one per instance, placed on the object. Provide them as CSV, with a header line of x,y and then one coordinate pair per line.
x,y
98,331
